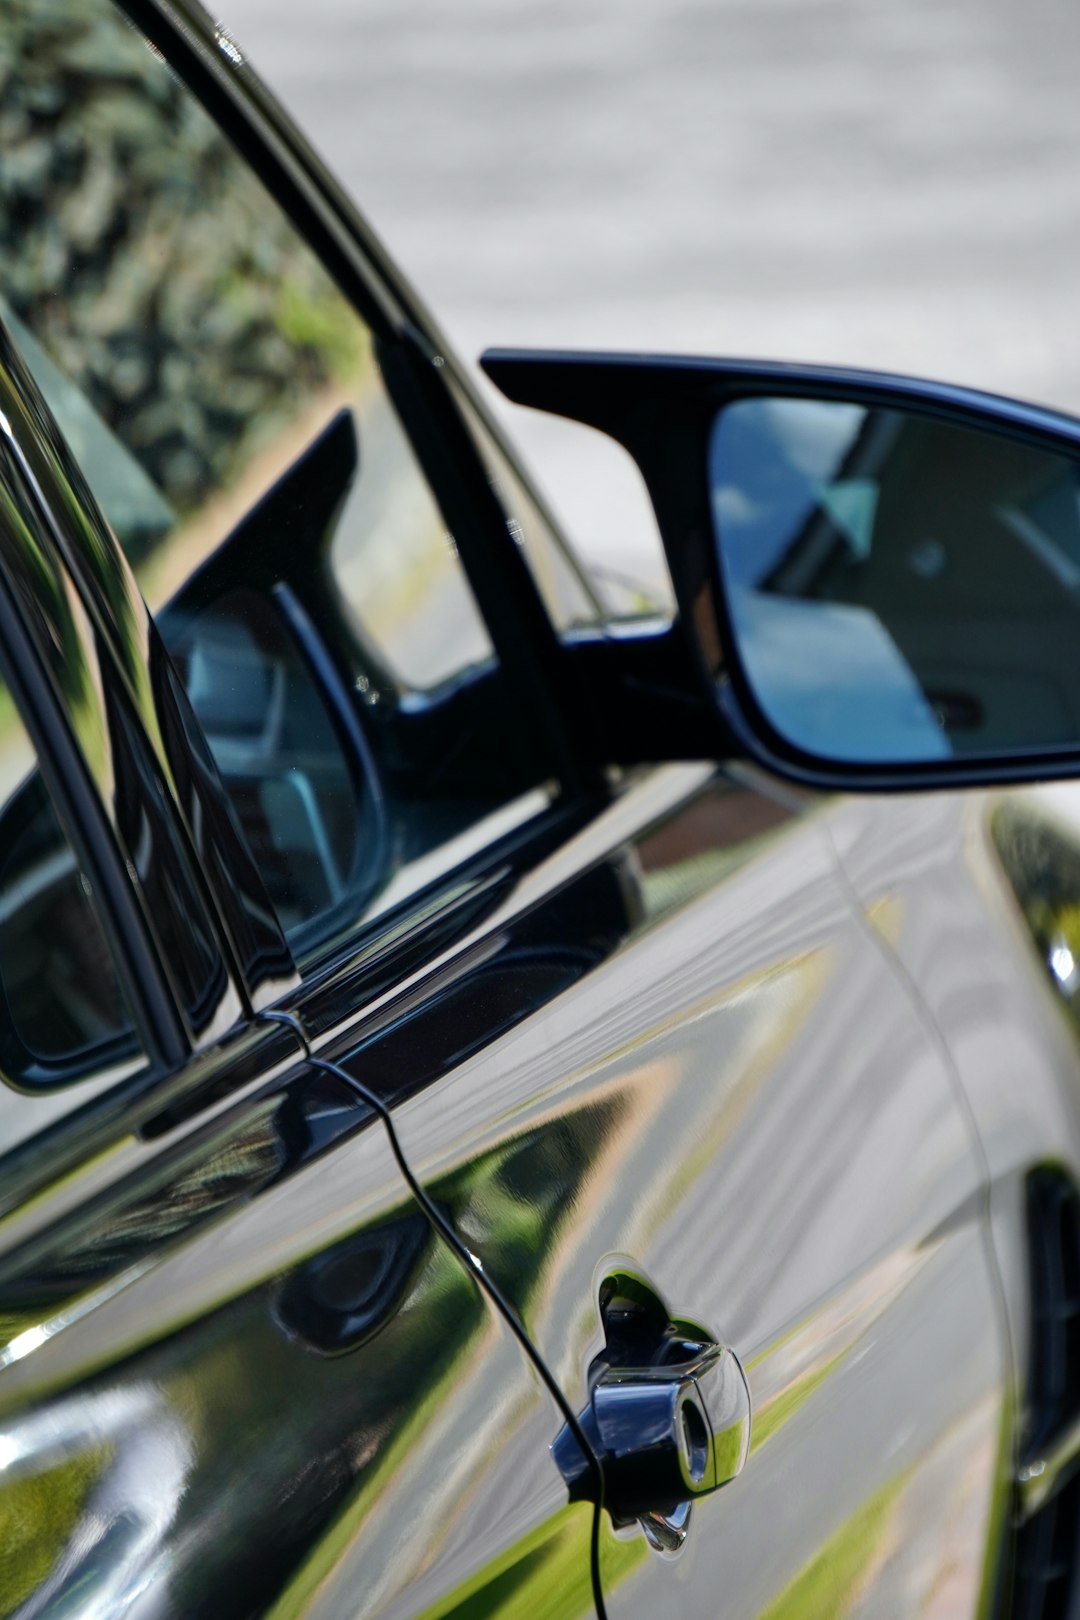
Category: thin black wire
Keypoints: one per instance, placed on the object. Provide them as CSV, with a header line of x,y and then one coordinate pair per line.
x,y
472,1264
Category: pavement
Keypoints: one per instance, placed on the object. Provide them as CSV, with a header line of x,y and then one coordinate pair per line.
x,y
857,181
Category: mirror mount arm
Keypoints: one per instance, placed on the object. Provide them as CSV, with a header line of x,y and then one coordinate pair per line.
x,y
638,699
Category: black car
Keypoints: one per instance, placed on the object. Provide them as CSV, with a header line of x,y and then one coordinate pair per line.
x,y
481,1073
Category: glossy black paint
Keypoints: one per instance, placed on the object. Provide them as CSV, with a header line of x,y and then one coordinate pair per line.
x,y
648,1113
49,657
121,706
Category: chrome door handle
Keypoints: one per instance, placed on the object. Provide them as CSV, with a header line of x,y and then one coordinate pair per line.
x,y
666,1434
664,1430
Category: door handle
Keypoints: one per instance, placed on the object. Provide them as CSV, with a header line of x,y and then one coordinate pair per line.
x,y
667,1434
664,1431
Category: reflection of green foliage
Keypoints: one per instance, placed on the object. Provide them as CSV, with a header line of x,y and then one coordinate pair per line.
x,y
997,1540
151,266
824,1588
68,666
315,317
516,1226
619,1558
37,1518
546,1575
409,1405
9,714
1066,924
511,1203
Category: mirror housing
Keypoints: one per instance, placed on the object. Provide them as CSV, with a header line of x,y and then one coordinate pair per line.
x,y
878,579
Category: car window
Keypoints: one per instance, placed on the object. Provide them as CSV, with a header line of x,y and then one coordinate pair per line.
x,y
196,354
63,1015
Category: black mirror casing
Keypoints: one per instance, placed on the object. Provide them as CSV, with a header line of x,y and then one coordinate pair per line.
x,y
664,411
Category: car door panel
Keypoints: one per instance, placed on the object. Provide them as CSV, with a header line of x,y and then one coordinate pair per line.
x,y
977,904
249,1377
696,1101
969,916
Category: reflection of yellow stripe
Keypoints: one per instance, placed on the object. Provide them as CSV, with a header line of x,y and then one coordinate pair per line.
x,y
547,1575
776,1412
824,1588
17,756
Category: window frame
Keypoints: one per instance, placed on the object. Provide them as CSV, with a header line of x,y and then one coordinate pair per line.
x,y
427,389
79,812
58,656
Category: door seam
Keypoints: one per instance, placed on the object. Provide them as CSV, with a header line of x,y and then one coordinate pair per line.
x,y
909,987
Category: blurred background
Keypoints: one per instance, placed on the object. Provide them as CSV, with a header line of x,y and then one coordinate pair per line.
x,y
885,184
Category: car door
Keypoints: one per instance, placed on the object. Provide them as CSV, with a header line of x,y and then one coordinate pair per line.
x,y
238,1356
737,1107
978,903
244,1370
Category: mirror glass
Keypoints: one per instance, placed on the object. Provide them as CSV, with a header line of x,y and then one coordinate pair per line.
x,y
901,588
307,817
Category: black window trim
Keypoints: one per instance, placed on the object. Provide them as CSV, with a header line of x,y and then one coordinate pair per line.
x,y
83,819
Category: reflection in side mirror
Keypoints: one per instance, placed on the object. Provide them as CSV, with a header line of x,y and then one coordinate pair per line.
x,y
900,588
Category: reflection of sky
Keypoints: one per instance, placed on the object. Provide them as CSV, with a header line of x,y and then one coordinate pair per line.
x,y
141,1454
832,680
769,463
829,677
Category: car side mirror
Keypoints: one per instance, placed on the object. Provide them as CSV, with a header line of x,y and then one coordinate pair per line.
x,y
880,578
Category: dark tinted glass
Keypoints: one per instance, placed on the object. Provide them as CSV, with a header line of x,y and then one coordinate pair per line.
x,y
62,1011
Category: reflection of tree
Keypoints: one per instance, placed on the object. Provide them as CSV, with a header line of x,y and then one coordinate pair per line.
x,y
147,260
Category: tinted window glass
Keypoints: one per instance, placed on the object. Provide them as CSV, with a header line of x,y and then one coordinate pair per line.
x,y
62,1010
194,351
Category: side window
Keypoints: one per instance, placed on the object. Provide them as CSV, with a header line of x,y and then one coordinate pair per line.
x,y
228,409
62,1010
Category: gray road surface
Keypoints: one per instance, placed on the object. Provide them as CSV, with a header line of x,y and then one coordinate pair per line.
x,y
892,183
